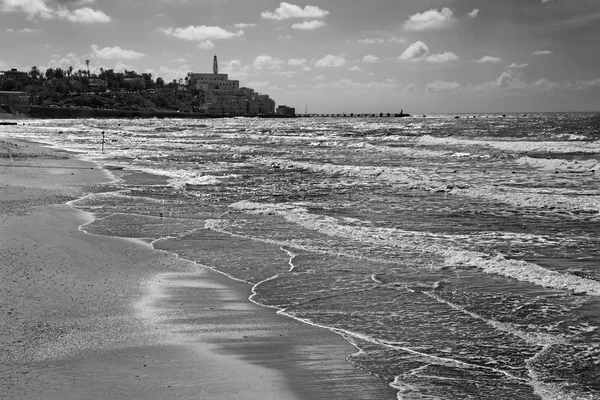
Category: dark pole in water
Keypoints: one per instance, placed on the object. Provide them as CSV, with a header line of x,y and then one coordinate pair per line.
x,y
103,141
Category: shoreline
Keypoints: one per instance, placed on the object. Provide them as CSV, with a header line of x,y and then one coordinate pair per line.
x,y
123,307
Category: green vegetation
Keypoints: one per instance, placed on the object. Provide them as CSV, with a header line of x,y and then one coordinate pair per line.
x,y
126,90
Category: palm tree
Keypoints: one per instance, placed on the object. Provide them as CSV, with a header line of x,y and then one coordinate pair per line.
x,y
70,71
87,62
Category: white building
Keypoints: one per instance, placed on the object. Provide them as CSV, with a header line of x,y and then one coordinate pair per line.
x,y
220,95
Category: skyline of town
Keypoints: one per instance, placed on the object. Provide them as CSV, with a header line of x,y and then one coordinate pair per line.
x,y
430,56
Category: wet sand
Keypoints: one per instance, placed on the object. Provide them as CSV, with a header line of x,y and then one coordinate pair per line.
x,y
84,316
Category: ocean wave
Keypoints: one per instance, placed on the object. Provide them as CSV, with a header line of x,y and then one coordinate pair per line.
x,y
413,178
516,146
553,164
516,269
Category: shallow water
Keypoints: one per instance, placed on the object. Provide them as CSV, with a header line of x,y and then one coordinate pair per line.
x,y
460,256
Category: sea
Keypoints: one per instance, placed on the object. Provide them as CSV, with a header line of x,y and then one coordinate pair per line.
x,y
459,254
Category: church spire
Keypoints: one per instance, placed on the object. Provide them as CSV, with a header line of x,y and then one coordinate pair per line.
x,y
215,66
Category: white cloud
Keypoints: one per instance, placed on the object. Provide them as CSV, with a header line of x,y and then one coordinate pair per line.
x,y
441,86
419,51
372,86
542,53
370,59
206,45
264,61
284,37
287,74
39,8
444,57
309,25
264,85
544,85
488,59
76,2
168,74
371,41
85,15
24,30
109,53
243,25
380,40
515,65
511,83
120,67
396,40
474,13
331,60
297,61
320,78
355,68
200,33
236,69
583,85
30,7
415,51
289,11
429,20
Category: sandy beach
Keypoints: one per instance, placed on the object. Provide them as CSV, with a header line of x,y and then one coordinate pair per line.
x,y
87,316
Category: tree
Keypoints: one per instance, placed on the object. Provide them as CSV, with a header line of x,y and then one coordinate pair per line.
x,y
87,62
59,73
50,74
35,73
148,82
70,71
160,82
10,85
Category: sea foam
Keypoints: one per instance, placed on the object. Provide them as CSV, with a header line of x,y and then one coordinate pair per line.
x,y
454,257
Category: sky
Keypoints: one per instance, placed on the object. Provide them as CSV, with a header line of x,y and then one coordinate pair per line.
x,y
332,56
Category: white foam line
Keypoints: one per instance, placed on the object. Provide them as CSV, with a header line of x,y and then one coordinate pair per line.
x,y
291,261
393,345
212,224
520,270
549,391
544,390
540,339
516,145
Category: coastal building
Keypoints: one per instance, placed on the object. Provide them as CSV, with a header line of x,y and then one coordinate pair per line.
x,y
286,111
15,74
217,94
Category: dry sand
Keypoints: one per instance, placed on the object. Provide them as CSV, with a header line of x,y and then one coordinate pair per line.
x,y
85,316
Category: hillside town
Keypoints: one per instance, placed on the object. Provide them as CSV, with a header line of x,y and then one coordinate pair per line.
x,y
211,94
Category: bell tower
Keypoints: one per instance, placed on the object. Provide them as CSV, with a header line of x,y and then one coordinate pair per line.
x,y
215,66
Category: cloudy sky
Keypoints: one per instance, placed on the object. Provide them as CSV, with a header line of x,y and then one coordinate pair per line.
x,y
332,55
